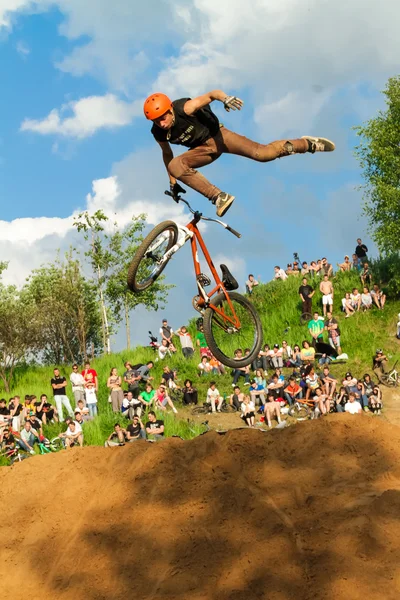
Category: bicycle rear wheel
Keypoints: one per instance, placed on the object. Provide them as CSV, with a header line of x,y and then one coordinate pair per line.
x,y
56,444
200,410
305,318
223,338
390,380
299,411
148,262
228,408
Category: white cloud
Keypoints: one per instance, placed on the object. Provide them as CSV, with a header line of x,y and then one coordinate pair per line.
x,y
22,48
88,116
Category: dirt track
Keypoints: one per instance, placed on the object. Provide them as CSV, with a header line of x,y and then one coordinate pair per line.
x,y
309,512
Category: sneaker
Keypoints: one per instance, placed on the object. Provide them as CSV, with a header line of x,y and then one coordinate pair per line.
x,y
223,203
175,411
366,409
317,144
247,383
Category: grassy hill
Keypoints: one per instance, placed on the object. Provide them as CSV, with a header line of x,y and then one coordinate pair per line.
x,y
279,307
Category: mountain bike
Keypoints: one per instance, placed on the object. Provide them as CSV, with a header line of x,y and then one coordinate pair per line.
x,y
230,320
392,378
206,408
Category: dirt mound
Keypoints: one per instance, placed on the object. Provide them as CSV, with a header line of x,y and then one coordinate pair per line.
x,y
309,512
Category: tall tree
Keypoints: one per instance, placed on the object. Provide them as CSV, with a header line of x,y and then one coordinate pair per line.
x,y
122,246
379,155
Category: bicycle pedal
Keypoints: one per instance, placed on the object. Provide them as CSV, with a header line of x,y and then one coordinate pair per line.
x,y
198,304
203,279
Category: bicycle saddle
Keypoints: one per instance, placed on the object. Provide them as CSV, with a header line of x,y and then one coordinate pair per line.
x,y
228,279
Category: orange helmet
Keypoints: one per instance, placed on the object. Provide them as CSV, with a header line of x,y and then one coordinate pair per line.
x,y
156,105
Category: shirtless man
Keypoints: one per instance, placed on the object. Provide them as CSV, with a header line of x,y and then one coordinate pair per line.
x,y
236,398
326,289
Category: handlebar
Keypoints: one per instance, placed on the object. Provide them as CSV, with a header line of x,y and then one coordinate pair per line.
x,y
199,215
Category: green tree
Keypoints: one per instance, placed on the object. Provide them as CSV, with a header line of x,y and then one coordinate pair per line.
x,y
122,246
66,305
379,155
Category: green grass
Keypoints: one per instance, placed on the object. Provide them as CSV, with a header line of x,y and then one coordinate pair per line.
x,y
279,306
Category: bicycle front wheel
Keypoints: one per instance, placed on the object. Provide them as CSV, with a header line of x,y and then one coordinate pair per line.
x,y
200,410
149,262
389,380
236,325
299,411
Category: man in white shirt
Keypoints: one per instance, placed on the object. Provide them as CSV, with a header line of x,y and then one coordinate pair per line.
x,y
214,397
78,385
280,273
73,435
353,406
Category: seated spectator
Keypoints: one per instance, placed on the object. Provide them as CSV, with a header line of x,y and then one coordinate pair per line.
x,y
162,400
322,401
114,384
275,387
91,395
347,306
135,430
7,442
132,378
361,396
365,275
257,392
366,299
189,393
314,269
258,362
28,438
163,350
251,283
332,327
353,407
168,378
375,400
5,416
217,367
287,353
379,364
355,297
280,273
341,399
202,343
356,263
147,396
368,385
329,383
260,378
316,328
186,341
378,296
78,417
289,269
131,406
28,408
74,434
265,357
214,397
292,391
204,366
117,437
83,410
275,356
280,375
312,381
349,382
15,407
345,265
240,371
154,427
295,360
248,411
236,398
272,409
307,353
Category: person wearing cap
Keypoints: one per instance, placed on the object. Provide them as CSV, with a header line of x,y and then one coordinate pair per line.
x,y
276,357
345,265
380,364
296,270
349,382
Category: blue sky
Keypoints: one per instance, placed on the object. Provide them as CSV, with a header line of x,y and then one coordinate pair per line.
x,y
73,136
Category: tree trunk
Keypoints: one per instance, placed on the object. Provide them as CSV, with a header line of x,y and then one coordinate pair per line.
x,y
127,324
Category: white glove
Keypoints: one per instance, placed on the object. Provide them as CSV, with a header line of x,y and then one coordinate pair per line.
x,y
232,103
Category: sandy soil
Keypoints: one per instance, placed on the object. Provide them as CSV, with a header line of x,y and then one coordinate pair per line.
x,y
309,512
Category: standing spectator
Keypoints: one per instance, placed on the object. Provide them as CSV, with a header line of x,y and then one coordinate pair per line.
x,y
114,384
306,292
248,411
361,251
352,406
251,283
366,275
135,430
86,371
332,327
366,299
316,328
326,267
345,265
78,384
326,289
15,407
280,273
166,333
305,269
186,342
214,397
61,399
154,427
132,378
189,393
91,396
378,296
202,343
380,364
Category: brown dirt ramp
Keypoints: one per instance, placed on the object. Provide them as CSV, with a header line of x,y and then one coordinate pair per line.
x,y
309,512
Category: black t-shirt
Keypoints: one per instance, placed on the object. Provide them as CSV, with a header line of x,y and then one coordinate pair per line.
x,y
167,376
155,425
19,408
133,430
4,410
361,251
332,321
188,130
59,391
305,290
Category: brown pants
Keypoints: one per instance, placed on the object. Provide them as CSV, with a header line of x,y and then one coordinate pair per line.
x,y
184,167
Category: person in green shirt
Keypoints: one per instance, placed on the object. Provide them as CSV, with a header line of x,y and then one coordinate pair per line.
x,y
316,328
202,343
147,397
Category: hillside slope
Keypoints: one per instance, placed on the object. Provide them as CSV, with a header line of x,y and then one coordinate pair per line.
x,y
310,512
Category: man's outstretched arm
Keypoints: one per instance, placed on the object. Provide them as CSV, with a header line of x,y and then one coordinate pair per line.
x,y
229,102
